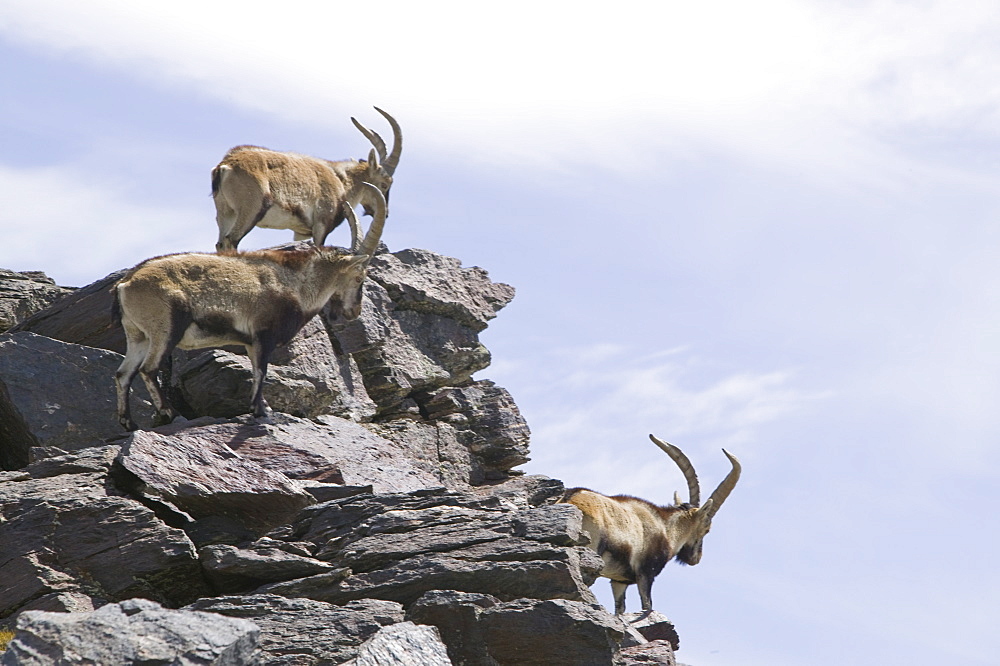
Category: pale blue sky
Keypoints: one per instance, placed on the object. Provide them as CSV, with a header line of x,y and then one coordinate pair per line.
x,y
767,226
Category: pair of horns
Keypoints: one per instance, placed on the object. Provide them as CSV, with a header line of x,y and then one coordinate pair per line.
x,y
388,160
720,494
371,240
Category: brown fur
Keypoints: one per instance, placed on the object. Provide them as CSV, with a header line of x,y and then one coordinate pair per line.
x,y
637,538
254,186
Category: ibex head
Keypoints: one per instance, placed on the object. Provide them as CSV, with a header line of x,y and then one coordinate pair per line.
x,y
699,515
381,163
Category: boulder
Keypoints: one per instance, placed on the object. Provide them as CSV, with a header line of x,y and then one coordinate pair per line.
x,y
304,378
66,541
481,630
205,478
303,631
428,282
134,632
403,644
55,397
653,653
654,626
23,294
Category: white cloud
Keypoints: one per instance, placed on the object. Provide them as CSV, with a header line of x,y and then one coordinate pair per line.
x,y
780,80
75,230
605,400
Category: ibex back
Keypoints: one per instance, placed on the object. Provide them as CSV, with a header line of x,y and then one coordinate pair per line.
x,y
255,299
257,187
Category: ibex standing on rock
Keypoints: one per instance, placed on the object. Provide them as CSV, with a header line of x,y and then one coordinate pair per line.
x,y
636,538
256,299
257,187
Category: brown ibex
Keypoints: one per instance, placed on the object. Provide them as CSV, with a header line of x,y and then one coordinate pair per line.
x,y
636,538
256,299
257,187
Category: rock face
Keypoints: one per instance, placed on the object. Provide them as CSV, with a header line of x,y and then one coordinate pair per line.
x,y
375,518
136,631
22,294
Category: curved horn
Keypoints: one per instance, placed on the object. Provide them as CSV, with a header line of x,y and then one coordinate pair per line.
x,y
694,491
373,137
352,220
370,244
392,161
720,494
389,160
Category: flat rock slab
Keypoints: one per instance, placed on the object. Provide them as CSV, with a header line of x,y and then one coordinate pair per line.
x,y
55,395
303,631
329,450
134,632
206,478
399,546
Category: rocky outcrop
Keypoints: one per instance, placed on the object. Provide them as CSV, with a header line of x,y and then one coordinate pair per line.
x,y
136,631
377,517
22,294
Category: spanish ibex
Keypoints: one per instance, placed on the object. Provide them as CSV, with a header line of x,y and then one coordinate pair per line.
x,y
256,299
254,186
636,538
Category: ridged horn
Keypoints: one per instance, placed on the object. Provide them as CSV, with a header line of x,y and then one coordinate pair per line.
x,y
370,244
687,469
352,221
720,494
389,160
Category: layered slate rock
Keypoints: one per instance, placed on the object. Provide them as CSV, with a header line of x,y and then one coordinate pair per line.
x,y
304,631
137,631
399,546
55,396
304,378
82,317
232,569
23,294
67,541
419,326
654,626
328,450
204,478
482,630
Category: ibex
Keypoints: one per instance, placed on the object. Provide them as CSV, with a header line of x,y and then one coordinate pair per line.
x,y
636,538
257,187
256,299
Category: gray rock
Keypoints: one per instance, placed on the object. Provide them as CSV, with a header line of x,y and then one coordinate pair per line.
x,y
55,396
205,478
67,534
654,626
398,547
23,294
83,317
498,434
303,631
403,644
305,378
232,569
480,630
456,615
653,653
428,282
135,632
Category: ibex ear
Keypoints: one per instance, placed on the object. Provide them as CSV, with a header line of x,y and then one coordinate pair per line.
x,y
372,161
706,508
